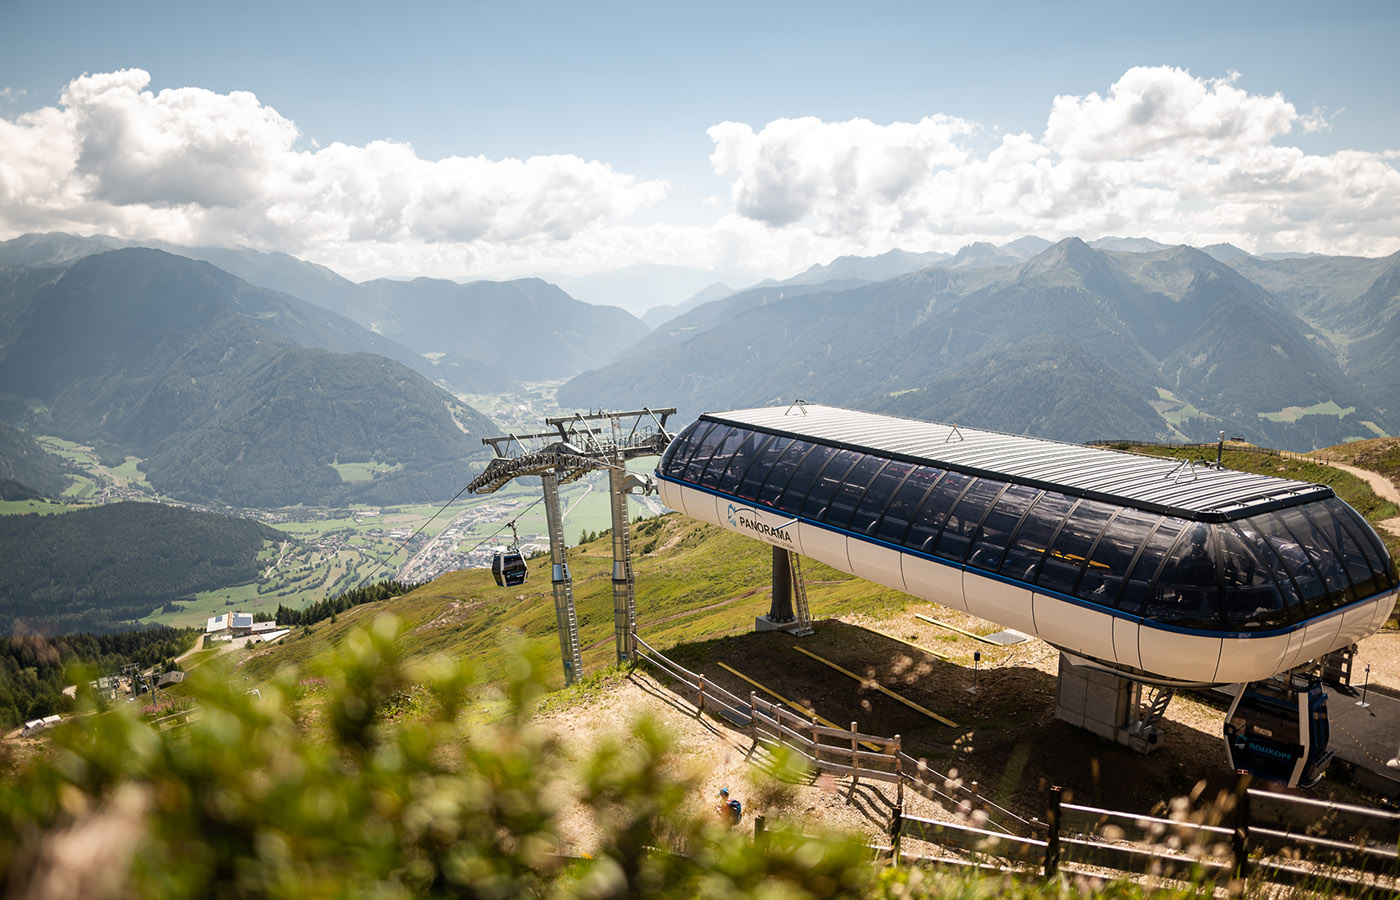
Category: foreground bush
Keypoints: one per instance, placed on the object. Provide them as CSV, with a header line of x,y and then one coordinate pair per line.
x,y
361,782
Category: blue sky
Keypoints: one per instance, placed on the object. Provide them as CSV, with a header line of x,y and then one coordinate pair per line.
x,y
636,88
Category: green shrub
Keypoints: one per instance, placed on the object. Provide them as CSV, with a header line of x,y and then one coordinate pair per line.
x,y
360,780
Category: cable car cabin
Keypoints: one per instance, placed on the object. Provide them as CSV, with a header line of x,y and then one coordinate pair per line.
x,y
509,568
1163,570
1279,732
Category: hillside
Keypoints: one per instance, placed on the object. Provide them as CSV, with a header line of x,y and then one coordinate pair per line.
x,y
99,569
1167,344
481,337
26,469
232,393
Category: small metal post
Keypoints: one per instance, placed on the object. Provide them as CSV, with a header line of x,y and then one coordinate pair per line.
x,y
1052,820
855,760
1364,688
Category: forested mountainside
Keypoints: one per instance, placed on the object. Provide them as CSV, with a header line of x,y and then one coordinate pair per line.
x,y
99,569
26,469
232,393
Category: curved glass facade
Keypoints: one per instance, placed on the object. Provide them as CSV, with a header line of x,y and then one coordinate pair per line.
x,y
1267,570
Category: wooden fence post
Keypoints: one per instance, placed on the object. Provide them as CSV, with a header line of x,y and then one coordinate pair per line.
x,y
753,716
855,760
1240,839
1052,820
701,702
760,832
896,831
898,772
816,745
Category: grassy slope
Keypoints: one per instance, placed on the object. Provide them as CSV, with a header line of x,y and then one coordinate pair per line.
x,y
694,582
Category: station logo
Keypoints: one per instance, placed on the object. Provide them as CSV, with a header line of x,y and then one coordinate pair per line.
x,y
750,519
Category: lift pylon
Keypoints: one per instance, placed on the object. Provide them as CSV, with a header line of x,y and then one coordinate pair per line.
x,y
577,445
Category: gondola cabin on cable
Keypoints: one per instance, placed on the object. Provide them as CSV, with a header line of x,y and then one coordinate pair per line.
x,y
508,566
1158,570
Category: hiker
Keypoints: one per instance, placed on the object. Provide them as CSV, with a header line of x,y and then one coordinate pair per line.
x,y
730,810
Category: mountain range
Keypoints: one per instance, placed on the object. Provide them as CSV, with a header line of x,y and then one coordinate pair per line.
x,y
231,393
481,337
1073,343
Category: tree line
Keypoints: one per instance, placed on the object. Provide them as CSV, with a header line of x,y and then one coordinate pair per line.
x,y
325,609
33,668
100,569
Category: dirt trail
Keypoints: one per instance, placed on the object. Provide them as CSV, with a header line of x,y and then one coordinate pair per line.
x,y
1384,488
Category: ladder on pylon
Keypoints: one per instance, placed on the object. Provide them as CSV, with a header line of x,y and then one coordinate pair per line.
x,y
799,595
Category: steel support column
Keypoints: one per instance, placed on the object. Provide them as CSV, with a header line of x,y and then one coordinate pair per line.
x,y
565,615
624,590
781,610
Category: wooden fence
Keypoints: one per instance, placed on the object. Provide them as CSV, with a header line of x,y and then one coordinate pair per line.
x,y
834,750
1279,838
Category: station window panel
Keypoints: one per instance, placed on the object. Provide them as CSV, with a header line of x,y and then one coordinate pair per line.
x,y
852,490
762,467
1382,562
1111,558
828,481
782,470
795,491
723,455
923,530
997,528
1296,562
879,496
1037,529
895,521
1264,552
704,451
966,516
1187,591
1252,596
679,450
1366,576
1065,559
1323,555
743,457
689,442
1149,561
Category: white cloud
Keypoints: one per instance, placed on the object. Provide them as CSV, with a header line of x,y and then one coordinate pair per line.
x,y
1160,153
194,166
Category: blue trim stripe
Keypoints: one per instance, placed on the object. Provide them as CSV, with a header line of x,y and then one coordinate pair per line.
x,y
1065,598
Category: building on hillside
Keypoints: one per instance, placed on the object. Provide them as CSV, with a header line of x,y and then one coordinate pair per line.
x,y
34,726
227,626
170,679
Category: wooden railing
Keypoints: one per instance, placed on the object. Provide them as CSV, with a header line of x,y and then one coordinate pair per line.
x,y
834,750
1278,838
